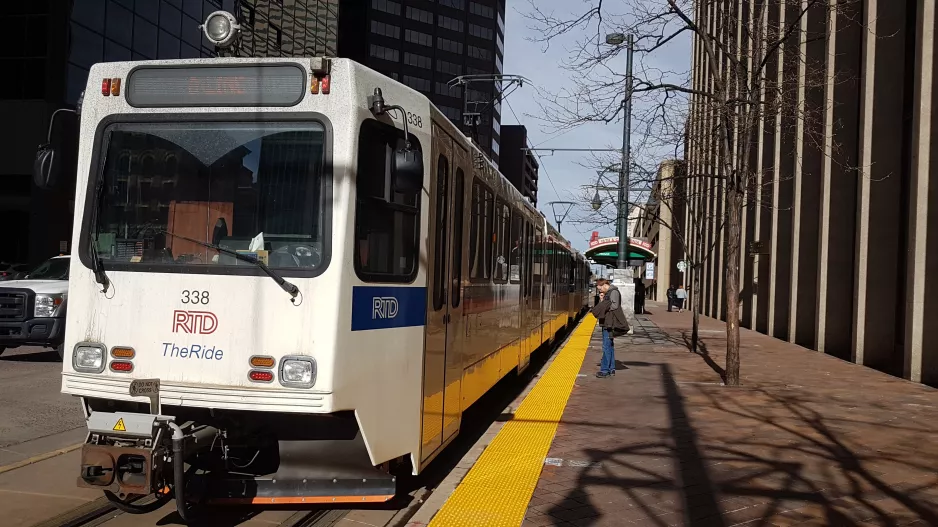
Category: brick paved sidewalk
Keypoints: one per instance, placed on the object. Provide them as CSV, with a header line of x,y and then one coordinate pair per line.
x,y
808,439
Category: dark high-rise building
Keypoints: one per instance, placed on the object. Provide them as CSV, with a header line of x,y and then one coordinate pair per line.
x,y
50,45
518,165
425,44
288,28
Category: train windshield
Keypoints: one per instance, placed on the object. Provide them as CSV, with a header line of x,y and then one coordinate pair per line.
x,y
257,188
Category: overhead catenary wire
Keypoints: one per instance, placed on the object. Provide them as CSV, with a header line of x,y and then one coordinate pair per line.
x,y
539,160
542,166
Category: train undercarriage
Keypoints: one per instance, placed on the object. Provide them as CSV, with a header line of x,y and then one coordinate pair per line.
x,y
216,457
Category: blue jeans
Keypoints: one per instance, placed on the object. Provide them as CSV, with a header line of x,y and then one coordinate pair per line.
x,y
608,363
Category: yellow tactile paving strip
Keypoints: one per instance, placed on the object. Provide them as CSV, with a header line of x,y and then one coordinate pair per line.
x,y
497,489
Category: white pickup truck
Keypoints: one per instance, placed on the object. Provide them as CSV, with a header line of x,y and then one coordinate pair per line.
x,y
32,310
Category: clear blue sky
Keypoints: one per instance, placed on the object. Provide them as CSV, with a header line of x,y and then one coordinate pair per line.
x,y
561,177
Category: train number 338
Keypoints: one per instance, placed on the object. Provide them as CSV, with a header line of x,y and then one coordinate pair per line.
x,y
195,297
414,120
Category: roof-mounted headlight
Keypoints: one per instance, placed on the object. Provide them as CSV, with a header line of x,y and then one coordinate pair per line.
x,y
221,28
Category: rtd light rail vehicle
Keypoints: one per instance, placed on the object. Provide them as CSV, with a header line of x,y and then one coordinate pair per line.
x,y
290,279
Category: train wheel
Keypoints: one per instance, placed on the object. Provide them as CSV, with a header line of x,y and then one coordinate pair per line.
x,y
136,504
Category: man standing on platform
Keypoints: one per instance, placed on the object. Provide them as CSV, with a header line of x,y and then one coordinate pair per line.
x,y
612,318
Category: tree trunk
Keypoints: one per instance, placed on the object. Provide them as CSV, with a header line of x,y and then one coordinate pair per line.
x,y
733,216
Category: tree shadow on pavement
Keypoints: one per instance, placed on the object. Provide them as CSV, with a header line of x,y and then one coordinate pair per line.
x,y
757,457
704,353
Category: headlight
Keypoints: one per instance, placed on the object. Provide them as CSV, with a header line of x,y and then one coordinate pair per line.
x,y
221,28
299,372
47,306
88,357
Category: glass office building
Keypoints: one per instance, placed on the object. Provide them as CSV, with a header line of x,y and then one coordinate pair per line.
x,y
115,30
49,46
425,43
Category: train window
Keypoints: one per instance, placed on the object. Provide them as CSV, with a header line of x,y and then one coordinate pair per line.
x,y
459,210
514,267
442,223
480,232
474,226
548,262
502,241
528,259
489,230
387,224
538,269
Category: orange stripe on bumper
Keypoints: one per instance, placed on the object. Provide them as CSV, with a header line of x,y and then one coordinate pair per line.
x,y
294,500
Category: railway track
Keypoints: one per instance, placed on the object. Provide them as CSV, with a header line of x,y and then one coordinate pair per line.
x,y
102,513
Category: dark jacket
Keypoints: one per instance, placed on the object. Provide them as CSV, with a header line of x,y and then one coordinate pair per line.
x,y
609,312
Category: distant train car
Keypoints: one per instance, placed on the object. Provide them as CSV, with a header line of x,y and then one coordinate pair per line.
x,y
293,276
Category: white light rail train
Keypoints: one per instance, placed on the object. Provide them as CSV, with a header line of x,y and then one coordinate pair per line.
x,y
291,278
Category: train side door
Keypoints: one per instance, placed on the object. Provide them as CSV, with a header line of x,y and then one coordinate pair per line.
x,y
437,385
527,311
458,267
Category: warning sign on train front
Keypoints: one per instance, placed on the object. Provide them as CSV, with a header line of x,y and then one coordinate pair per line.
x,y
119,427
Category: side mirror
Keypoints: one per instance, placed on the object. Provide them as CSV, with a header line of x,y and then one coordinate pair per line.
x,y
407,168
220,231
43,175
408,171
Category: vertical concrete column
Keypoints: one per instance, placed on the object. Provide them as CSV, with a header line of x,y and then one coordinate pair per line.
x,y
786,162
837,223
759,291
679,191
775,29
766,188
693,167
666,216
825,212
799,172
727,36
716,168
742,19
813,77
880,201
707,181
920,362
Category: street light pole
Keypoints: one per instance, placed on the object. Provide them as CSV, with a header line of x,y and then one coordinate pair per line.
x,y
622,262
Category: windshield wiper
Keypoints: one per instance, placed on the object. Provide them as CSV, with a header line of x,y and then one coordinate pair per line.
x,y
97,266
291,289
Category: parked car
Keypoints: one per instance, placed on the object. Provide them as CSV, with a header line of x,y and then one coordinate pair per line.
x,y
11,271
32,308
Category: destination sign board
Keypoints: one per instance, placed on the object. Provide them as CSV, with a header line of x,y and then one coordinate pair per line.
x,y
216,85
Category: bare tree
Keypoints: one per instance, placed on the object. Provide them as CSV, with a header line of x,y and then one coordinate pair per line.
x,y
669,193
740,49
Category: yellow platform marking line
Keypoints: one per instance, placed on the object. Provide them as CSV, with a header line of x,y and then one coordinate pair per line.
x,y
497,489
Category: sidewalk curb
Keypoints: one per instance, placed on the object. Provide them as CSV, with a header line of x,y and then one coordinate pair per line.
x,y
40,457
438,496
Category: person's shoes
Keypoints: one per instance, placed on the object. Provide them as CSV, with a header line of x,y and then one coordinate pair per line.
x,y
603,375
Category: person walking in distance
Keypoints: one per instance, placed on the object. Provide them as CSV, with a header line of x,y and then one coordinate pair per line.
x,y
681,295
670,294
612,319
